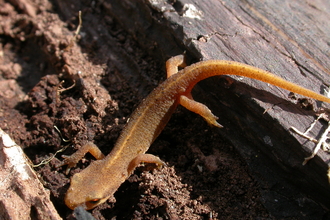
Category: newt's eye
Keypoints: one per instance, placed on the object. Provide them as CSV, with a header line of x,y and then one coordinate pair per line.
x,y
92,203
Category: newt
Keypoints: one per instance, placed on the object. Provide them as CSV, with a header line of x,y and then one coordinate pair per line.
x,y
101,179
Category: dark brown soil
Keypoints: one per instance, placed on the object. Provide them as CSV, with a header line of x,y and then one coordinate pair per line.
x,y
58,92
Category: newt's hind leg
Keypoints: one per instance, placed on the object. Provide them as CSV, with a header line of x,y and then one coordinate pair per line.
x,y
144,158
173,64
189,103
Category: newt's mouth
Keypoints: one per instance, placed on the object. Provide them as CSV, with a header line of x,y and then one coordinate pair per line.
x,y
87,205
72,204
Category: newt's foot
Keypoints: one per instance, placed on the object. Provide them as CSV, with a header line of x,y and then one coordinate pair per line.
x,y
68,160
189,103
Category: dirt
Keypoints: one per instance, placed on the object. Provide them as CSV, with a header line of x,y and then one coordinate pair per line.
x,y
60,91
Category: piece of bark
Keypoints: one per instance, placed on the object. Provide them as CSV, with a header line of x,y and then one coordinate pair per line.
x,y
287,39
22,196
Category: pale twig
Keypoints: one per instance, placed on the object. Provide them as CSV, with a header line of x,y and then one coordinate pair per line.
x,y
47,160
304,135
58,130
74,38
319,143
322,142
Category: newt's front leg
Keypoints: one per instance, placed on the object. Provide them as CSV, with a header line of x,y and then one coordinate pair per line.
x,y
91,148
72,160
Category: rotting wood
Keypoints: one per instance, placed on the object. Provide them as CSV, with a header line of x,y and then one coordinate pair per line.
x,y
287,39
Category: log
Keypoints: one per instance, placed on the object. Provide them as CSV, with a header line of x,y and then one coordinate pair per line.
x,y
287,39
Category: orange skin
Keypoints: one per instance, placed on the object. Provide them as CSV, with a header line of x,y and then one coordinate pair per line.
x,y
101,179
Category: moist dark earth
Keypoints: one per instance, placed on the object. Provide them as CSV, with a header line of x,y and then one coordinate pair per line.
x,y
59,90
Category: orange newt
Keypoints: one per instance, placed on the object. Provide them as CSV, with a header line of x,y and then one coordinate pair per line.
x,y
101,179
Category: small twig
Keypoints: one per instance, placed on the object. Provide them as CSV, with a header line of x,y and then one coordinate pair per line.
x,y
304,135
58,130
47,160
79,25
60,89
319,143
313,124
74,38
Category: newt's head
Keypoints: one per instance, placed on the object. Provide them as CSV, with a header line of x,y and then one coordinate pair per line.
x,y
90,201
93,186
